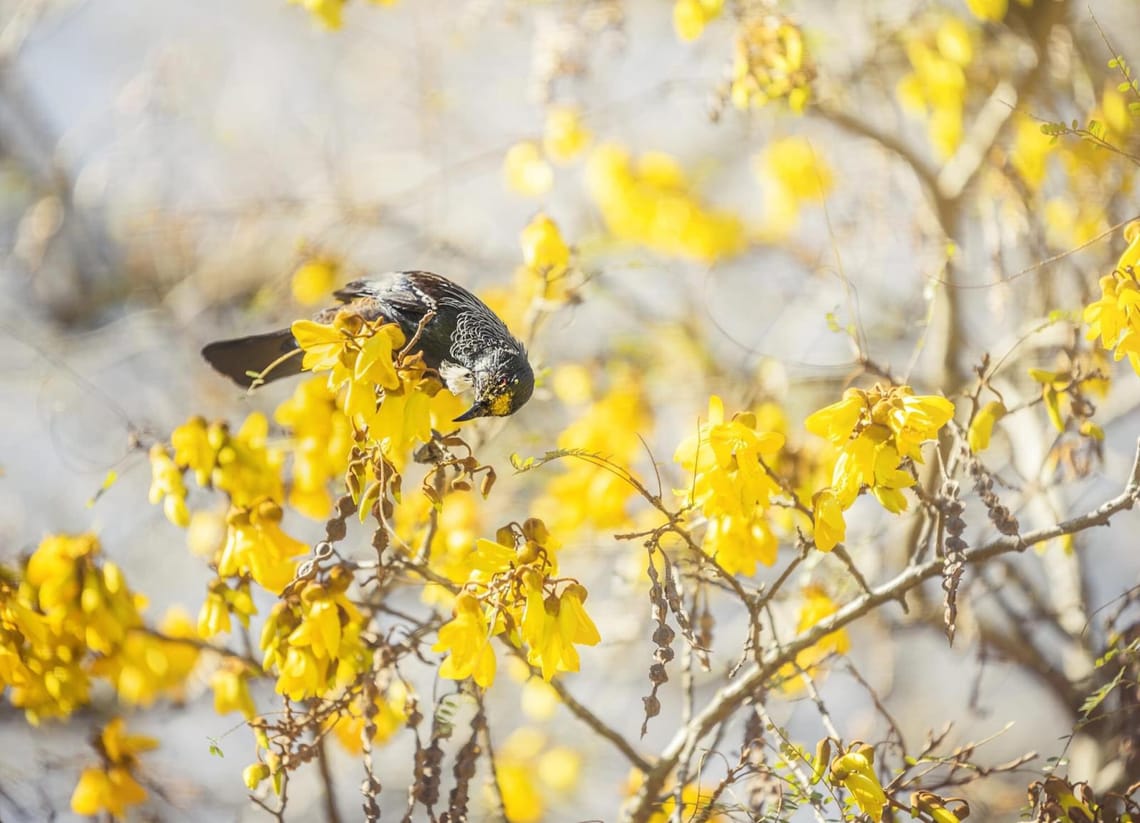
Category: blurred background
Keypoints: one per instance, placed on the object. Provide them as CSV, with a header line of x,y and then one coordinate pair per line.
x,y
166,170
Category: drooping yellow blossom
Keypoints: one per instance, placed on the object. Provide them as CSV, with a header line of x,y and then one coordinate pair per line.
x,y
991,11
390,715
691,16
390,396
771,62
732,487
514,583
529,772
816,606
982,426
875,431
313,280
552,624
829,527
1030,152
543,247
526,171
855,771
166,485
222,601
112,787
467,640
650,202
312,639
257,546
72,616
147,666
230,683
584,495
457,524
1115,316
797,175
564,136
936,87
320,441
242,465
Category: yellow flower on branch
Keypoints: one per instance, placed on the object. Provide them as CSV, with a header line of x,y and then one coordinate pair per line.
x,y
564,136
112,787
389,717
585,495
312,639
982,426
320,439
855,771
313,280
875,432
230,683
771,62
936,87
732,488
467,640
816,606
650,202
1115,316
526,171
691,16
257,546
513,585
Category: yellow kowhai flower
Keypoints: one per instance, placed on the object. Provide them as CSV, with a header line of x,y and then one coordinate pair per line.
x,y
257,546
651,203
146,667
855,771
467,640
875,431
982,426
313,641
583,494
770,62
389,717
112,787
77,595
528,771
732,488
396,403
457,526
1115,317
242,464
222,601
796,175
320,439
564,136
936,87
313,280
816,606
526,171
166,485
552,624
230,683
691,16
829,527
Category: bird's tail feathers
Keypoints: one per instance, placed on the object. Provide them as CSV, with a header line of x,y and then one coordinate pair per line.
x,y
259,358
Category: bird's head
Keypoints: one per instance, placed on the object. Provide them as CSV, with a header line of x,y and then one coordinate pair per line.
x,y
502,387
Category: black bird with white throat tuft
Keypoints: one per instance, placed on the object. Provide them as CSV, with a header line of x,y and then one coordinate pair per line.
x,y
463,340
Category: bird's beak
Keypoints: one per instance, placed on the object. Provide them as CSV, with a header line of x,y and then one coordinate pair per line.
x,y
478,410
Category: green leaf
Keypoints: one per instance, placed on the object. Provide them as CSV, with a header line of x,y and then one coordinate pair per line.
x,y
1097,697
